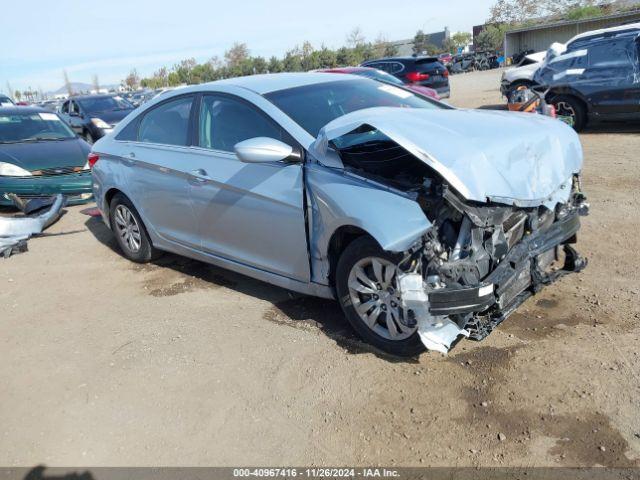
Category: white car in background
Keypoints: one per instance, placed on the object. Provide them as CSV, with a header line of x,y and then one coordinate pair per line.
x,y
522,74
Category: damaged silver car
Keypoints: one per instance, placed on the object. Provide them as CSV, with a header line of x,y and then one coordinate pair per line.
x,y
427,223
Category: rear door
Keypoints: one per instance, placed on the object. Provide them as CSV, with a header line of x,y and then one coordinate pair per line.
x,y
611,83
251,213
161,162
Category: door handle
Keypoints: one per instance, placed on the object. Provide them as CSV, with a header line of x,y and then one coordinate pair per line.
x,y
128,158
200,175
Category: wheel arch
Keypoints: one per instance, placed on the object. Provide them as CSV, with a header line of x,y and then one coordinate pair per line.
x,y
568,92
341,238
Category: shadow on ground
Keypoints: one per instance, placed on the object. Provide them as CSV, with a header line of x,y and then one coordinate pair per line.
x,y
38,473
289,309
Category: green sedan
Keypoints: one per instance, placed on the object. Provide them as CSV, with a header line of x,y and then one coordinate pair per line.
x,y
41,156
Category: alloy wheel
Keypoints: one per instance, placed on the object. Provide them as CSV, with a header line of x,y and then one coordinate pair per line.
x,y
564,109
375,297
127,228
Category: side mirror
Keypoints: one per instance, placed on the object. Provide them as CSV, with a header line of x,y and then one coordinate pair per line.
x,y
262,149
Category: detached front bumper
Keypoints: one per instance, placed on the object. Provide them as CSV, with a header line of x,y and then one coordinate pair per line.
x,y
76,187
523,272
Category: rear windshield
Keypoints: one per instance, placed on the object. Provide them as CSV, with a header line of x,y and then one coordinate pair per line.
x,y
427,64
313,106
33,127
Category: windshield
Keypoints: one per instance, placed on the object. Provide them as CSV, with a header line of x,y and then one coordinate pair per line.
x,y
313,106
15,128
104,104
380,76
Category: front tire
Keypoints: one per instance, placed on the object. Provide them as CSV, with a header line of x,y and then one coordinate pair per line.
x,y
131,235
569,106
367,291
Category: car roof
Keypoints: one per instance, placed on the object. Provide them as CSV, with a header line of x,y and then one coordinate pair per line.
x,y
271,82
603,31
347,70
409,58
82,97
17,110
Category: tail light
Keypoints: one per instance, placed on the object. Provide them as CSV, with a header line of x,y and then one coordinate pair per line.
x,y
417,77
92,159
445,73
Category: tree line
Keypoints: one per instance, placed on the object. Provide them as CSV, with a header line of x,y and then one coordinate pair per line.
x,y
238,61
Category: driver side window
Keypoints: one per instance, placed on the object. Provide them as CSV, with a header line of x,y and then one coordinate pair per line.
x,y
225,121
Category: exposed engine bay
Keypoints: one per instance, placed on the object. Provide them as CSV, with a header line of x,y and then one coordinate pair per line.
x,y
479,261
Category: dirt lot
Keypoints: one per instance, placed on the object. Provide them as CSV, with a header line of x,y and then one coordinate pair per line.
x,y
103,362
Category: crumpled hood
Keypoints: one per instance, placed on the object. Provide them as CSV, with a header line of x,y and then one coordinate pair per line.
x,y
515,158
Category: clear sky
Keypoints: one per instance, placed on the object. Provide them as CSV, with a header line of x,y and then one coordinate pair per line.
x,y
40,38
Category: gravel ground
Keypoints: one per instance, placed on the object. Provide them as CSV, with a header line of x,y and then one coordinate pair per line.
x,y
103,362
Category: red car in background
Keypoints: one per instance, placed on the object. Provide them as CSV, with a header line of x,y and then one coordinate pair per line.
x,y
385,78
445,59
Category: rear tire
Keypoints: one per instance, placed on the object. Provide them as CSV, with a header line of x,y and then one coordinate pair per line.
x,y
130,232
566,105
379,330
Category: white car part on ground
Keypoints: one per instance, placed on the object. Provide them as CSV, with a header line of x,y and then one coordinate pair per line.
x,y
15,231
436,333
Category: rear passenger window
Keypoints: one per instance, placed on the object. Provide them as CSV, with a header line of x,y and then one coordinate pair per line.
x,y
167,124
614,53
377,65
395,67
226,121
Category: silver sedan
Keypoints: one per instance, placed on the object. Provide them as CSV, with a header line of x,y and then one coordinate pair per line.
x,y
426,223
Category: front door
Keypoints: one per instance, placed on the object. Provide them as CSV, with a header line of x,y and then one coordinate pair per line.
x,y
251,213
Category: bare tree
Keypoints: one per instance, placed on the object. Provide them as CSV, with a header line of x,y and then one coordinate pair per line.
x,y
380,46
215,62
132,80
518,11
355,38
67,83
236,54
96,83
163,75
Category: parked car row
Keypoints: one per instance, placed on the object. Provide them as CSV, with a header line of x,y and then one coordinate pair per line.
x,y
415,70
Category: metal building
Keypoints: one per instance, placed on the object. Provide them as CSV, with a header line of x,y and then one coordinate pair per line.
x,y
437,39
539,37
